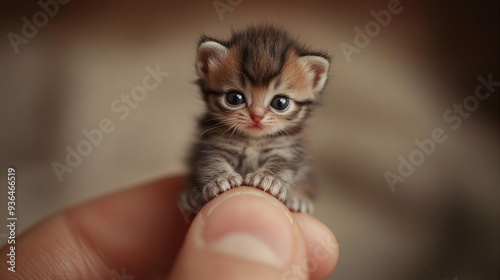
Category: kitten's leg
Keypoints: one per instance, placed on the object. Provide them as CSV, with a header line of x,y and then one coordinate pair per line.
x,y
221,182
211,175
276,177
190,202
291,184
299,199
295,201
268,183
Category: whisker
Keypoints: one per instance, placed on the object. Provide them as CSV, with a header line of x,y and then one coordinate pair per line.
x,y
280,133
227,130
231,135
238,128
219,124
284,130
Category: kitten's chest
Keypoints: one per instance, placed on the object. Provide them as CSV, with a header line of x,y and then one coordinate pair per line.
x,y
250,159
247,157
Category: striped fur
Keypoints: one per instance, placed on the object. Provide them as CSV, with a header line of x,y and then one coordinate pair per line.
x,y
255,143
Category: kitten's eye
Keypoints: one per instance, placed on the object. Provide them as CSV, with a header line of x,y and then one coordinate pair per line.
x,y
235,98
280,103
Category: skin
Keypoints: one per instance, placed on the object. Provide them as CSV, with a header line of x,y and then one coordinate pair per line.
x,y
140,233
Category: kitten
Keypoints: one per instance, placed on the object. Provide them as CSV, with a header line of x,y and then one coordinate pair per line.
x,y
259,87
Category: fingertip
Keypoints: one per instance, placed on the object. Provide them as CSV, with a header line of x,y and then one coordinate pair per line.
x,y
254,217
242,234
322,246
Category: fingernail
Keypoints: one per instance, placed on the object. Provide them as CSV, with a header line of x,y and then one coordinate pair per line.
x,y
249,224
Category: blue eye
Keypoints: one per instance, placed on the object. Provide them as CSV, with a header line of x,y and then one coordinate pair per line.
x,y
280,103
235,98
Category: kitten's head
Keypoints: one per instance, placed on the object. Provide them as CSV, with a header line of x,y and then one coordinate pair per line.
x,y
261,82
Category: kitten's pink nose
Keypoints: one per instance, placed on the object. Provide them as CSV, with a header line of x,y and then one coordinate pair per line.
x,y
257,117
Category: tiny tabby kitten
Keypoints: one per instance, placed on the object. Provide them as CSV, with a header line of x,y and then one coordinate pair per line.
x,y
259,87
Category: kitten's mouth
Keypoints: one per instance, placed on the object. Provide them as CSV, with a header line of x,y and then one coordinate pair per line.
x,y
256,126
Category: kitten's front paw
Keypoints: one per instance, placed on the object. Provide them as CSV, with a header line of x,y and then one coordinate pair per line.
x,y
221,184
267,183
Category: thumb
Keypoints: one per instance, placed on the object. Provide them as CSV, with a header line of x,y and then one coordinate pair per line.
x,y
242,234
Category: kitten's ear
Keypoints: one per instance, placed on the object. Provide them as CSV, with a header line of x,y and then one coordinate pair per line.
x,y
317,70
209,54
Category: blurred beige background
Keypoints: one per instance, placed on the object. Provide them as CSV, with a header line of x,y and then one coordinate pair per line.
x,y
442,222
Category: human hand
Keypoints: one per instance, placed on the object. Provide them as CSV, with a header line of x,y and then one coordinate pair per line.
x,y
140,234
